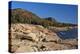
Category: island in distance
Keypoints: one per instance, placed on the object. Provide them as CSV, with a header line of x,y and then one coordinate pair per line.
x,y
28,32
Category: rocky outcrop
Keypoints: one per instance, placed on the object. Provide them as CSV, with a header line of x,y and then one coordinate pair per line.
x,y
32,38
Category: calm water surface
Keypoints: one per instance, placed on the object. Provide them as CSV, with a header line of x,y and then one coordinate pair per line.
x,y
70,34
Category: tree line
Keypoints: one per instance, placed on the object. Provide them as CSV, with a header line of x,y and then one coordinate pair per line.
x,y
21,17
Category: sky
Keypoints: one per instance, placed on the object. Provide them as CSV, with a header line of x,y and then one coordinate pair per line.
x,y
61,12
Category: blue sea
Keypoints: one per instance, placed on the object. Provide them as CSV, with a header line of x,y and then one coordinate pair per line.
x,y
70,34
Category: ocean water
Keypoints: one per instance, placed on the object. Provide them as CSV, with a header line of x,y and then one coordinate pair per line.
x,y
70,34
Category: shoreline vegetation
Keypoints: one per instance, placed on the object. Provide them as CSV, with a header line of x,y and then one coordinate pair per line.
x,y
30,33
19,15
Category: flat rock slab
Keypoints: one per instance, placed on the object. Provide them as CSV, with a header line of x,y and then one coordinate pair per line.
x,y
24,49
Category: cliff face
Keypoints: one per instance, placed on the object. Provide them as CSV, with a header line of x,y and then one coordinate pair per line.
x,y
32,38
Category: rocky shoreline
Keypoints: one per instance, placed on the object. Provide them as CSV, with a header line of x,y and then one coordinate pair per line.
x,y
56,29
36,38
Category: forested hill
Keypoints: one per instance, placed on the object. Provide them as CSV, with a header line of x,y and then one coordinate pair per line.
x,y
19,15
